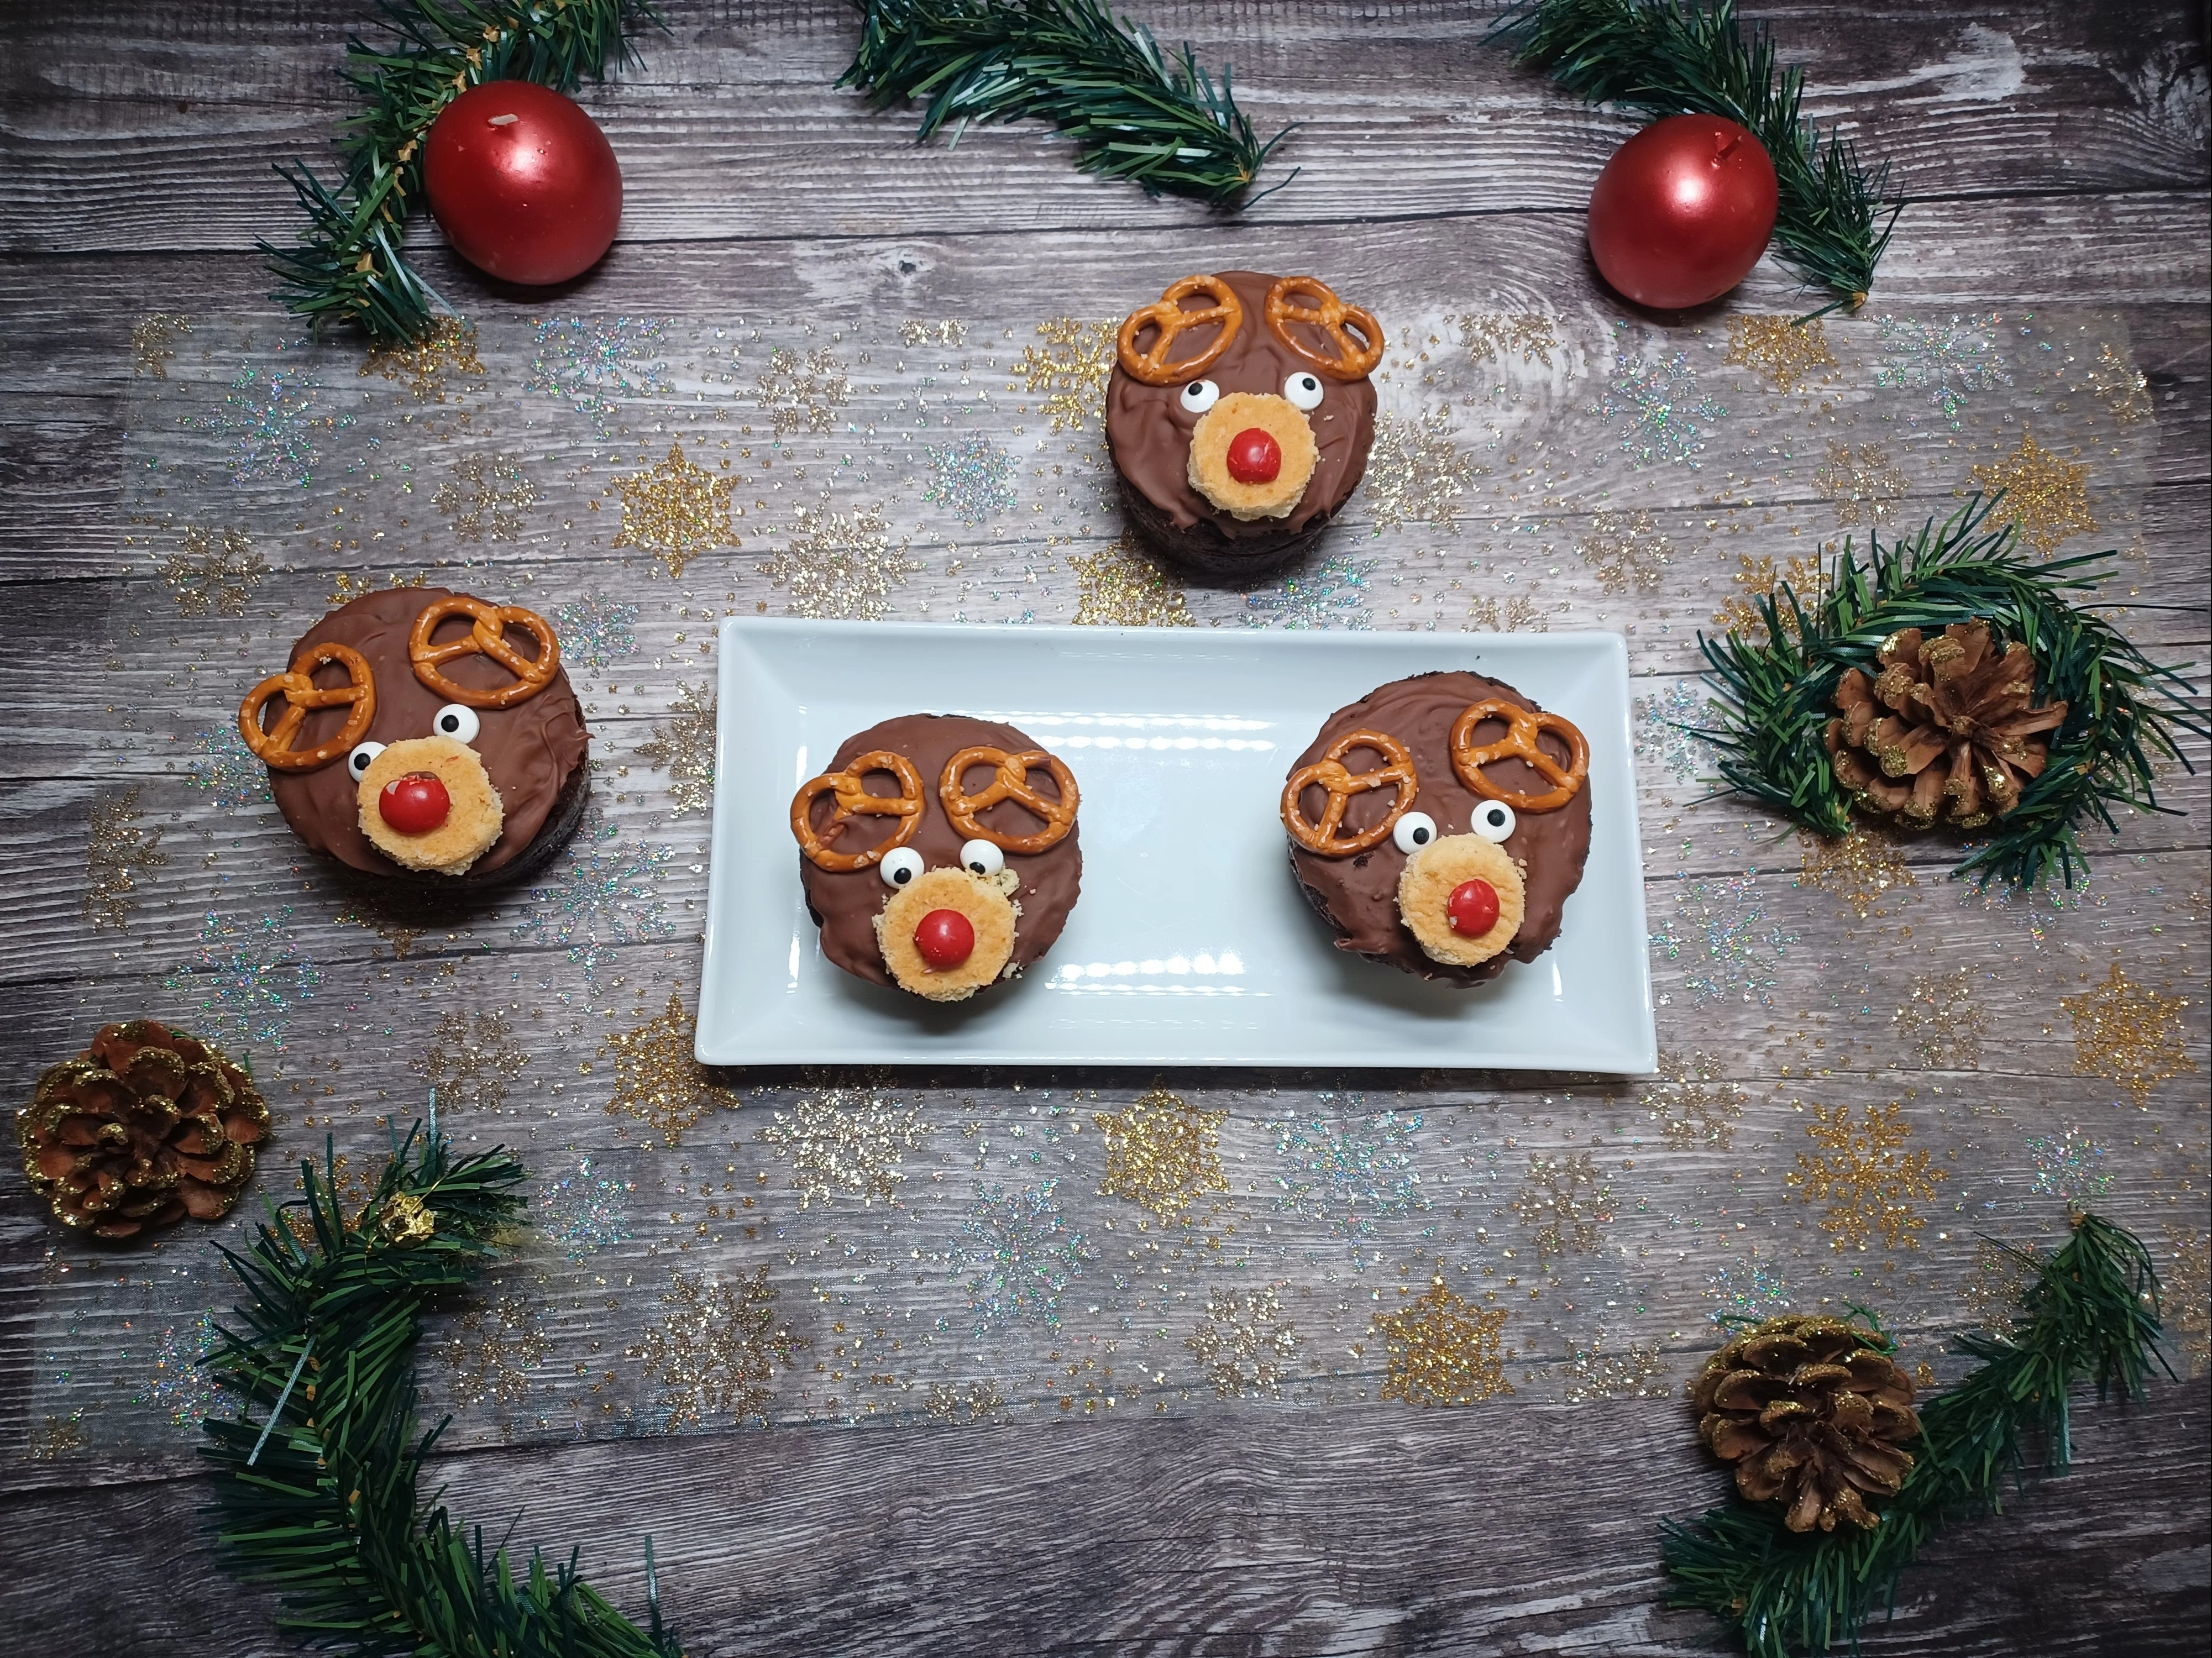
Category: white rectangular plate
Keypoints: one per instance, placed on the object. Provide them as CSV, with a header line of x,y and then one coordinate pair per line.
x,y
1191,944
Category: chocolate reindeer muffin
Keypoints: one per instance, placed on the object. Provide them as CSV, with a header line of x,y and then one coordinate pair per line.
x,y
1240,414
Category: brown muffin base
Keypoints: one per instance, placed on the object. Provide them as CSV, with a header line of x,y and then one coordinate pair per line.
x,y
1206,549
416,888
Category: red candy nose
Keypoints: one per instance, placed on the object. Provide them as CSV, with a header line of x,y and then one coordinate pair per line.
x,y
1474,908
1254,457
414,804
945,937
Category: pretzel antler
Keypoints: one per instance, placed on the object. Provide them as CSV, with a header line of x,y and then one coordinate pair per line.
x,y
1329,772
488,637
297,687
1166,313
854,800
1357,351
1011,783
1519,743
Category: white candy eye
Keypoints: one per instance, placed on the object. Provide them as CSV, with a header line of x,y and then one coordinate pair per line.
x,y
900,865
1304,390
1415,829
457,721
357,761
981,858
1200,395
1493,820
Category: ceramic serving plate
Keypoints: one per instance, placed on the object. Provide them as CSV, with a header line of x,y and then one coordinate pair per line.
x,y
1191,944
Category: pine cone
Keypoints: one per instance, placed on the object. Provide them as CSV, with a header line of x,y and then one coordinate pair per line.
x,y
1954,698
145,1127
1814,1414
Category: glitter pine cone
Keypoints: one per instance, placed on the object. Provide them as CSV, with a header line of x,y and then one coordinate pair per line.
x,y
145,1127
1814,1412
1957,699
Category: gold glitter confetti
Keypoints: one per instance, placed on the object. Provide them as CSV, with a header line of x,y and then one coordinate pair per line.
x,y
949,332
2118,384
353,1188
2048,498
1691,1103
676,510
154,343
490,1360
840,566
846,1142
658,1080
1515,614
1860,868
2188,1295
486,498
448,349
1500,333
345,586
1942,1022
56,1436
214,572
1626,549
1118,586
1864,484
801,391
683,747
1417,471
1993,1287
118,849
1244,1345
718,1348
1442,1351
1567,1200
1783,352
470,1061
1161,1153
1071,370
1805,575
974,1402
2128,1034
1634,1373
398,927
1864,1176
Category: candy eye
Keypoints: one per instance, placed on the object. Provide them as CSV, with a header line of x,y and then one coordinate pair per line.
x,y
457,721
357,761
1493,820
1200,395
981,858
1415,829
1304,390
900,865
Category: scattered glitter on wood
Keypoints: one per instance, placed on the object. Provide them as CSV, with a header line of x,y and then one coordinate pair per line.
x,y
1243,1344
1417,471
682,745
1070,371
1942,1022
1784,353
1805,575
658,1081
119,849
1119,586
840,566
802,390
2070,1165
1567,1201
949,333
2117,384
488,1359
1692,1104
471,1060
1442,1351
486,497
2188,1299
448,351
1626,549
1864,484
1860,868
154,343
717,1351
1865,1177
676,511
346,587
1595,1373
1499,334
2047,496
56,1436
2128,1034
1994,1282
974,1402
1950,361
215,571
846,1142
1162,1153
1515,614
974,479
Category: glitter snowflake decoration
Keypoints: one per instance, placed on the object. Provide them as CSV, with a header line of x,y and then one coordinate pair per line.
x,y
2046,497
1501,334
1995,1283
584,1210
1942,1022
1243,1344
2128,1034
675,510
2117,383
683,746
1119,586
1417,471
1757,577
118,849
840,566
447,352
1596,1372
846,1142
595,632
1348,1170
1864,1176
973,480
1747,1289
949,332
1332,594
658,1077
1162,1153
1950,361
1729,950
2031,909
1069,371
1626,549
801,390
1691,1104
470,1061
1862,868
2070,1165
1441,1350
606,896
1667,724
244,980
269,424
1655,406
716,1351
1566,1202
214,572
1863,483
1783,352
489,1359
485,498
1021,1254
596,364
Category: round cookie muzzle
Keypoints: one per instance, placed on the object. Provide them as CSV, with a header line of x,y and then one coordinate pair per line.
x,y
1440,869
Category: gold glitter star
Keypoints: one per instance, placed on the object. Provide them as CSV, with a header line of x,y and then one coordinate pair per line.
x,y
1244,1345
676,510
488,1360
486,498
1942,1021
1691,1105
1071,370
1864,1177
1118,587
1635,1373
2188,1295
801,391
1417,471
117,844
215,573
2128,1034
345,586
684,749
2048,498
1442,1351
470,1061
2118,384
1161,1153
1566,1200
840,566
847,1143
1626,548
1994,1286
1864,484
1805,575
449,348
154,343
1499,333
1783,352
1859,867
718,1348
658,1080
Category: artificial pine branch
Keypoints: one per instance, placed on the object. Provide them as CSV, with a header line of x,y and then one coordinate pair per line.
x,y
319,1497
1135,113
348,266
1667,58
2091,1313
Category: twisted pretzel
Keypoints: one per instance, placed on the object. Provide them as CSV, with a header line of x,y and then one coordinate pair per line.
x,y
1166,313
487,638
1012,783
1329,772
854,800
1352,361
1519,743
297,687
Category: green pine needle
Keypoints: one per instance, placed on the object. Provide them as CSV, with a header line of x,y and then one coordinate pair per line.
x,y
2124,712
2091,1315
1135,113
318,1497
1669,59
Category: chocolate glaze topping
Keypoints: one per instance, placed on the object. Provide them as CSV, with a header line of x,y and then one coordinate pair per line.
x,y
1359,895
530,750
845,903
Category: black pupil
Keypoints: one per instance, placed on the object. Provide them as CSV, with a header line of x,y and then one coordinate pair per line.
x,y
1421,837
902,876
450,723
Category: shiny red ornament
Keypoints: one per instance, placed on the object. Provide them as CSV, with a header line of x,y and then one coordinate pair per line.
x,y
1473,910
523,182
414,804
1682,211
1254,457
945,937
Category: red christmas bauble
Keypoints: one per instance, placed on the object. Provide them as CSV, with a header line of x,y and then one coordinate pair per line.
x,y
1682,211
523,182
945,937
414,804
